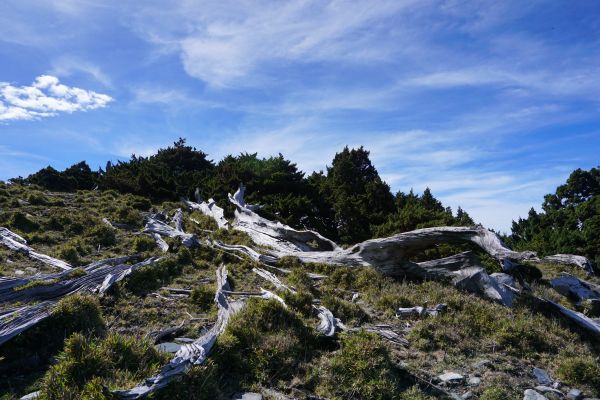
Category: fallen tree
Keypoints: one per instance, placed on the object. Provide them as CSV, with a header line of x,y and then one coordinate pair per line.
x,y
16,243
98,278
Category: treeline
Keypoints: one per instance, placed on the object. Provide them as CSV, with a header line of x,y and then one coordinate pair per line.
x,y
570,221
348,202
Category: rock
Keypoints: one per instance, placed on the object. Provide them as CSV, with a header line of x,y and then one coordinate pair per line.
x,y
542,376
474,381
531,394
467,395
247,396
19,272
168,347
451,378
482,364
575,394
31,270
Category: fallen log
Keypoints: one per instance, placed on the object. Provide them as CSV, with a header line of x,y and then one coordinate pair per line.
x,y
98,279
570,259
16,243
419,312
155,226
210,209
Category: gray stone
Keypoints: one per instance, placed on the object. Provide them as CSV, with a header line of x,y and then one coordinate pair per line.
x,y
474,381
531,394
247,396
482,364
19,272
575,394
467,395
451,378
542,376
168,347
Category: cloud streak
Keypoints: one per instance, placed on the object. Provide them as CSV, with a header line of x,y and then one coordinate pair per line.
x,y
46,97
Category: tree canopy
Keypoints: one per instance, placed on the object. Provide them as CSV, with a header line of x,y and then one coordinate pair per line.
x,y
569,222
349,202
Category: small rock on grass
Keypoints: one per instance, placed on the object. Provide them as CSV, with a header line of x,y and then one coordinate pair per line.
x,y
575,394
451,378
531,394
542,376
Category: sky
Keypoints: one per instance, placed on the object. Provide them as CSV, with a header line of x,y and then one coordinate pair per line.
x,y
490,104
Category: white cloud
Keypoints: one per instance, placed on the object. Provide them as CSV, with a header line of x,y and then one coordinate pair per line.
x,y
46,97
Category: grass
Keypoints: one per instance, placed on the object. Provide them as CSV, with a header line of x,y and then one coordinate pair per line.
x,y
87,366
361,369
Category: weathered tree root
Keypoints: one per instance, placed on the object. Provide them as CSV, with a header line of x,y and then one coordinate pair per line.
x,y
154,225
211,209
17,243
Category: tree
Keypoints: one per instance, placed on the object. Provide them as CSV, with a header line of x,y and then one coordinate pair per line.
x,y
570,221
358,196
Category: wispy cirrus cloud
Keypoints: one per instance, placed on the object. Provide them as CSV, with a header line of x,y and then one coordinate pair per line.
x,y
46,97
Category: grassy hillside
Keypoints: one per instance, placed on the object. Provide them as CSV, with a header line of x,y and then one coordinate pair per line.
x,y
91,345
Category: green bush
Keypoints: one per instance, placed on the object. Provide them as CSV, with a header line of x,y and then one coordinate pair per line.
x,y
263,343
23,222
201,382
143,243
203,297
344,310
577,369
69,253
361,369
37,198
102,234
75,313
151,277
86,365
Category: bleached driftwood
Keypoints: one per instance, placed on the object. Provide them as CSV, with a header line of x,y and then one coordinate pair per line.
x,y
575,288
162,245
591,325
210,209
16,243
570,259
476,280
282,238
116,225
420,312
191,353
98,279
386,332
155,225
177,220
391,255
328,324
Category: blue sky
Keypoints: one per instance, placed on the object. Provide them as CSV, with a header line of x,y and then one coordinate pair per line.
x,y
491,104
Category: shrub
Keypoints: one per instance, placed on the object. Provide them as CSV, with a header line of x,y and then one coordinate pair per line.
x,y
151,277
200,382
143,243
203,296
37,198
23,222
69,253
263,343
360,369
76,313
584,370
86,365
102,235
344,310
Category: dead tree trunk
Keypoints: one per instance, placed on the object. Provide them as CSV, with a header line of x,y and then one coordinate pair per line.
x,y
17,243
